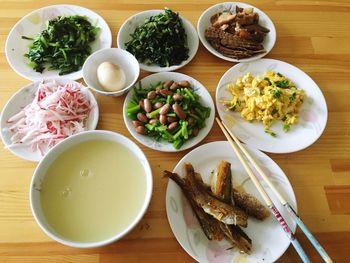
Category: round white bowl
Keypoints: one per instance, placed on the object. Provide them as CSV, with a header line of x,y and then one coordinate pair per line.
x,y
129,26
40,171
264,20
117,56
33,23
23,97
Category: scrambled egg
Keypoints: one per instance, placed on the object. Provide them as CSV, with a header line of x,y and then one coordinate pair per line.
x,y
269,99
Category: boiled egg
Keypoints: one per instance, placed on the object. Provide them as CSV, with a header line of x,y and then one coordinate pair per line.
x,y
111,76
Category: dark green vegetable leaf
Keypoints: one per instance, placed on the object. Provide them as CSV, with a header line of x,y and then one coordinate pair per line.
x,y
64,45
161,40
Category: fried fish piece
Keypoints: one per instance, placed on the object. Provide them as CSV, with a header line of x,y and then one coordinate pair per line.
x,y
220,182
223,212
210,225
250,204
237,237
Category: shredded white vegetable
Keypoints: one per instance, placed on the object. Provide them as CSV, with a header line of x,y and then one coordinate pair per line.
x,y
56,112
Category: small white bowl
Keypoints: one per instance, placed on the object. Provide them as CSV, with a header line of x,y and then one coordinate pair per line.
x,y
129,26
40,173
117,56
22,98
264,20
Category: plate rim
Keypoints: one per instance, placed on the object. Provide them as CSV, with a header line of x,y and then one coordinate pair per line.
x,y
209,122
158,69
79,76
211,144
221,56
304,75
35,85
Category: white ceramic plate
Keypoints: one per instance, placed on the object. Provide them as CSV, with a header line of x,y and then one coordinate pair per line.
x,y
23,97
312,115
264,20
269,241
164,146
133,22
33,23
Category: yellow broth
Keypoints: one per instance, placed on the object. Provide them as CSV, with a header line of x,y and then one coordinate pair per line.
x,y
93,191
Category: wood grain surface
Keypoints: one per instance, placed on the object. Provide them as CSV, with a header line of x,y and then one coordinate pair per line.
x,y
312,35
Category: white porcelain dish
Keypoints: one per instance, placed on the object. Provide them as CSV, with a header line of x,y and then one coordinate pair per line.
x,y
23,97
125,60
164,146
269,241
312,116
129,26
264,20
54,153
33,23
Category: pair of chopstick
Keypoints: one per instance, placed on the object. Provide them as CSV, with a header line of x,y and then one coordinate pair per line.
x,y
234,142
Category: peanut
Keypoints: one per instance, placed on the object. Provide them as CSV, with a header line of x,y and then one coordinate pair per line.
x,y
158,104
165,92
174,86
162,119
179,111
142,117
177,97
151,121
168,83
151,95
137,123
171,119
147,105
195,131
184,83
172,126
140,130
164,109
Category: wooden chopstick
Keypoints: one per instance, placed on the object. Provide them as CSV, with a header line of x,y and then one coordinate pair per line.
x,y
289,208
266,198
286,204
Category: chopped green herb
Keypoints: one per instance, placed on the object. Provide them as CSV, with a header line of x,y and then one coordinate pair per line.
x,y
286,127
161,40
279,74
282,84
271,133
293,96
274,111
276,94
268,80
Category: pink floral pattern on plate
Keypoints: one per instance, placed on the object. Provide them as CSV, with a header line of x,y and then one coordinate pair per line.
x,y
217,252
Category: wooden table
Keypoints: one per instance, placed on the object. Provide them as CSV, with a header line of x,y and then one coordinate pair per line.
x,y
312,35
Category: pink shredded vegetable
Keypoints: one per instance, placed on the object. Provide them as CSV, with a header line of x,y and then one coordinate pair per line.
x,y
57,112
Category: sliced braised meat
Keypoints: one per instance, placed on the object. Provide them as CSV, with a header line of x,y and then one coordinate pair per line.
x,y
231,41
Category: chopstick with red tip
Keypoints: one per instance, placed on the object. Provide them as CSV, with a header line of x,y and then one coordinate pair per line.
x,y
265,196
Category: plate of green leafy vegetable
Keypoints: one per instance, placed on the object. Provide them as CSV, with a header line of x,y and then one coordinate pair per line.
x,y
55,41
169,112
161,40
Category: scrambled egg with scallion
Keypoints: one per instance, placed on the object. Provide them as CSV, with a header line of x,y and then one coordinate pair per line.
x,y
274,97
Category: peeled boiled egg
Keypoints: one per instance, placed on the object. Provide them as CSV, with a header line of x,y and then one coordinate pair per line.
x,y
111,76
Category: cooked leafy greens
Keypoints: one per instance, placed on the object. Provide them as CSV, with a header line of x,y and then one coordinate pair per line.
x,y
63,45
161,40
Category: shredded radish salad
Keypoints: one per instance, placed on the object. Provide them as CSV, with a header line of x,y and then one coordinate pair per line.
x,y
57,112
